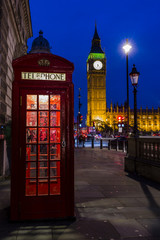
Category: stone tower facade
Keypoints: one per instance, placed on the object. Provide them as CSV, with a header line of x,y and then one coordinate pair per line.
x,y
98,114
96,79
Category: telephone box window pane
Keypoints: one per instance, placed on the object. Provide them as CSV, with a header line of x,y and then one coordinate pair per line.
x,y
53,169
43,169
43,135
43,119
31,119
55,102
55,186
31,135
30,187
30,169
43,152
31,102
31,153
55,135
57,168
43,187
55,119
55,152
43,102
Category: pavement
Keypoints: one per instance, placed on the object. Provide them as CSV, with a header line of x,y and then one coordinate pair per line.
x,y
110,204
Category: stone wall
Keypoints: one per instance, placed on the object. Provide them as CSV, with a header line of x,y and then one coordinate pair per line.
x,y
15,29
143,157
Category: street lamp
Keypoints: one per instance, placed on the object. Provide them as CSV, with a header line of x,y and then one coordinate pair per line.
x,y
127,47
79,115
134,75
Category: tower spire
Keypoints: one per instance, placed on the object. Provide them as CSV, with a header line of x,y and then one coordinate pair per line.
x,y
96,42
96,36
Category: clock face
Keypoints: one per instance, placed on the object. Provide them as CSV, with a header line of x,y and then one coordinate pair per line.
x,y
97,65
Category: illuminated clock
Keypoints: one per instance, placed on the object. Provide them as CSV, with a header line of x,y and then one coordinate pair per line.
x,y
97,65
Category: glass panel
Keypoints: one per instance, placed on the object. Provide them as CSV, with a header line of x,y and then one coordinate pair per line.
x,y
58,168
31,135
43,135
53,169
55,102
31,119
43,187
31,151
30,187
43,169
43,102
30,169
43,119
43,152
55,186
48,155
31,101
54,119
55,152
55,135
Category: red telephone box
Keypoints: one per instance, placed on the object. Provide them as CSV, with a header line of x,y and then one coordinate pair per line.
x,y
42,178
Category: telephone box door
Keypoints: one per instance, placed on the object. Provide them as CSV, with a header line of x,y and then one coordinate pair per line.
x,y
43,158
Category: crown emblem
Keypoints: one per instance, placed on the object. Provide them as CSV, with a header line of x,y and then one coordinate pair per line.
x,y
44,62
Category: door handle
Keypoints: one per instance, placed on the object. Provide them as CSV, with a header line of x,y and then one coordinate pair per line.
x,y
63,144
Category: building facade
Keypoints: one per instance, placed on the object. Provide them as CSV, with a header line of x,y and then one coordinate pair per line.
x,y
97,113
96,78
15,29
148,120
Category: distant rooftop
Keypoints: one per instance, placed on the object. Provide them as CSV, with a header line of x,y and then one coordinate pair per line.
x,y
40,45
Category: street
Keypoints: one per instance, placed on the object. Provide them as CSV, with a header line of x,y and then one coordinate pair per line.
x,y
110,204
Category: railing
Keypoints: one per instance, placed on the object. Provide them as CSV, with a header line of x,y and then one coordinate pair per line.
x,y
143,157
101,143
110,143
117,144
149,149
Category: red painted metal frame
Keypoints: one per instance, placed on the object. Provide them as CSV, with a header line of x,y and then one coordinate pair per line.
x,y
42,207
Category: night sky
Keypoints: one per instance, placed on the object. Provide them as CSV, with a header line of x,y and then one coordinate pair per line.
x,y
69,27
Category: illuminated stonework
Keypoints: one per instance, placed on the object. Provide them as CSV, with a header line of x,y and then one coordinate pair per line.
x,y
147,119
97,113
96,78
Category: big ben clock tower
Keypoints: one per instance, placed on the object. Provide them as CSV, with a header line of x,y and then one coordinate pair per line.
x,y
96,79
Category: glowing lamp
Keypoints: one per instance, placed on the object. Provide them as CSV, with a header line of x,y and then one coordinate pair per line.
x,y
127,47
119,118
134,75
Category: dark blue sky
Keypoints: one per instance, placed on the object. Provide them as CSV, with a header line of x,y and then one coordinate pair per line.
x,y
69,26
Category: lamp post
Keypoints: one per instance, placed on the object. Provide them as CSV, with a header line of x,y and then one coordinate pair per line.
x,y
127,47
78,116
134,75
